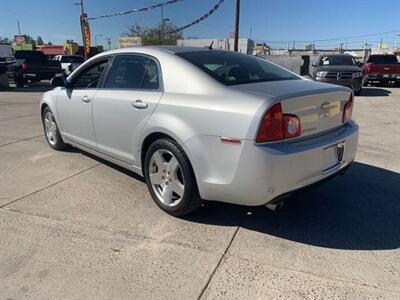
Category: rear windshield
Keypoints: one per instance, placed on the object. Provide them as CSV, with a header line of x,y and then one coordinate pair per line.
x,y
231,68
337,60
72,59
30,55
383,59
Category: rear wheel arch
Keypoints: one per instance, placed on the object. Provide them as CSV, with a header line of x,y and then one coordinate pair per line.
x,y
151,138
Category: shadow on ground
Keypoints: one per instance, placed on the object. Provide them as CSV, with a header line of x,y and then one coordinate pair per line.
x,y
375,92
356,211
359,210
37,87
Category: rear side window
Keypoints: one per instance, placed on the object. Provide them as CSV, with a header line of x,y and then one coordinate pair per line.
x,y
383,59
133,72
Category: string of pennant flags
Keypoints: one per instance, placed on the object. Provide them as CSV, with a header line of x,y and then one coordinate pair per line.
x,y
175,30
131,11
200,19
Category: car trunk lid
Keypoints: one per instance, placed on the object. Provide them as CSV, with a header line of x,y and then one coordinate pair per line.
x,y
318,106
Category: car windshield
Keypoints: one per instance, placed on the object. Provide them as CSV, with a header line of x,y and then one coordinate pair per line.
x,y
383,59
337,60
232,68
72,59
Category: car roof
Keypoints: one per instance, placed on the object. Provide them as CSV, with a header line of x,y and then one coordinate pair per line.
x,y
162,49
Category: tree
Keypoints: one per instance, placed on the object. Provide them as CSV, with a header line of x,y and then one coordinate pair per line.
x,y
162,34
5,40
39,41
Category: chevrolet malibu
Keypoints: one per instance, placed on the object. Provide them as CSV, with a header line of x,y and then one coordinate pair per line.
x,y
203,124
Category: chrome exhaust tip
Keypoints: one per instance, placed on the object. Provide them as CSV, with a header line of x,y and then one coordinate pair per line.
x,y
275,206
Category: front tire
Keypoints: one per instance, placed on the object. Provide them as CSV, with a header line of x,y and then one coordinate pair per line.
x,y
170,178
51,132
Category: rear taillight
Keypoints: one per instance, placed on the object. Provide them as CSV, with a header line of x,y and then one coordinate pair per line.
x,y
347,110
277,126
24,66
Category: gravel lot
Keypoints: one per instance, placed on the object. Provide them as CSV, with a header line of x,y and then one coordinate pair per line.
x,y
73,226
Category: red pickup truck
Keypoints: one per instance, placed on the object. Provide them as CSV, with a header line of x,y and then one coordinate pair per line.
x,y
383,68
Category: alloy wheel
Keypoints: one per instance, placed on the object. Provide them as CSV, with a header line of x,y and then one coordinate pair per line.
x,y
50,128
166,177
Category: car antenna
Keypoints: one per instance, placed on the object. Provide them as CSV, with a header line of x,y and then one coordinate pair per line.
x,y
210,47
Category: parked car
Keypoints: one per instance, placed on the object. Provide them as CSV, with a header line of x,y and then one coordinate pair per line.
x,y
382,68
203,124
341,69
69,62
33,66
7,59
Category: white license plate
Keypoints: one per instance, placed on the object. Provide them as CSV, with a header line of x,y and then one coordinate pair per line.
x,y
333,156
385,75
59,74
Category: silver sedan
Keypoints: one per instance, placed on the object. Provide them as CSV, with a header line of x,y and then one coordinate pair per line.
x,y
202,124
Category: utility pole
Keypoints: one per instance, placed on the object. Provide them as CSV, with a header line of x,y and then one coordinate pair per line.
x,y
109,43
237,18
19,28
162,21
380,44
80,3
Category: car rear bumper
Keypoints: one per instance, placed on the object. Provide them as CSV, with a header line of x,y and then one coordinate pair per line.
x,y
378,77
253,175
354,84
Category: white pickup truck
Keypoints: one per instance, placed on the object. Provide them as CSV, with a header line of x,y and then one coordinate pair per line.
x,y
69,62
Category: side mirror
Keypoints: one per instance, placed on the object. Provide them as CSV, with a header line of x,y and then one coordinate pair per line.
x,y
58,81
70,68
314,65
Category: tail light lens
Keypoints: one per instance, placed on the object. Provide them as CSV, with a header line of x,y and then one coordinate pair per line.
x,y
24,67
277,126
292,126
347,110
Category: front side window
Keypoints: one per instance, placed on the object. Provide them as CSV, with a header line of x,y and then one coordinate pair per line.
x,y
133,72
232,68
90,77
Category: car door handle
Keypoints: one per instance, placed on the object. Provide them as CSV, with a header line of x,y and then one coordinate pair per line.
x,y
139,104
86,99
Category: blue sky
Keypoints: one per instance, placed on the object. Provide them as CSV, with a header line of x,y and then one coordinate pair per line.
x,y
274,21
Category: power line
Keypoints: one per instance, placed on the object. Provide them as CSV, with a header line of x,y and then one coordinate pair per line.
x,y
337,38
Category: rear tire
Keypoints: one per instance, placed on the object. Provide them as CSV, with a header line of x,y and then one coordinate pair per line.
x,y
20,82
397,84
51,132
365,82
170,178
